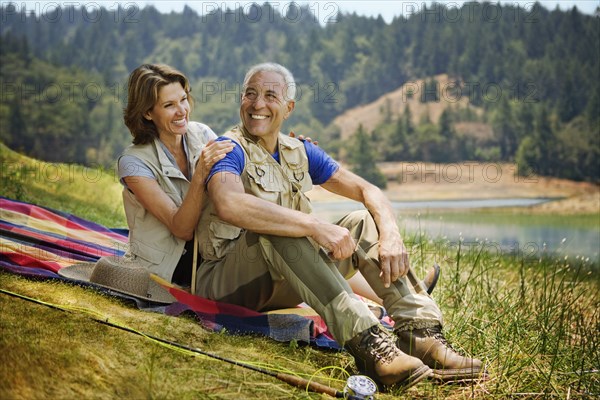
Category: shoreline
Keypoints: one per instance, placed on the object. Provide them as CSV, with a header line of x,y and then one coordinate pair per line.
x,y
410,182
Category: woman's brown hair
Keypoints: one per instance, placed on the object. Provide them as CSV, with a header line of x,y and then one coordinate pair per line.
x,y
142,94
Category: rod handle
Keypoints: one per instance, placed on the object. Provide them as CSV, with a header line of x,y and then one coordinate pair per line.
x,y
306,384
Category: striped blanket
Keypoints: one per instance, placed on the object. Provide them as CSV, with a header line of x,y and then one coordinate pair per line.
x,y
37,242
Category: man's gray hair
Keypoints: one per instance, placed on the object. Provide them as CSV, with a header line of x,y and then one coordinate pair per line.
x,y
288,78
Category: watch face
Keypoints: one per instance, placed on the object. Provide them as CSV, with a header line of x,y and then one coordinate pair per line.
x,y
360,386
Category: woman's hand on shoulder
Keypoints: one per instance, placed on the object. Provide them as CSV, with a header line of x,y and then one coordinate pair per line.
x,y
213,152
301,137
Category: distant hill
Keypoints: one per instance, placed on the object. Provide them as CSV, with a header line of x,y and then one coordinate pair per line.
x,y
410,94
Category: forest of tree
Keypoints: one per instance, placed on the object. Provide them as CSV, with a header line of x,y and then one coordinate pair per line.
x,y
63,77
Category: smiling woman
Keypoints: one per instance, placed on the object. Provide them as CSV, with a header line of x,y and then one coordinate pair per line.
x,y
171,111
163,172
146,85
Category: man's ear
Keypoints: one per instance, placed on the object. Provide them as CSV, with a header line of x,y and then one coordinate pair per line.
x,y
290,107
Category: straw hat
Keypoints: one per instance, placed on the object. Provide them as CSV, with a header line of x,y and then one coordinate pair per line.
x,y
121,275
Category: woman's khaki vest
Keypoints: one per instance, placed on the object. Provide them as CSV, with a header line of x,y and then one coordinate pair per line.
x,y
151,244
281,183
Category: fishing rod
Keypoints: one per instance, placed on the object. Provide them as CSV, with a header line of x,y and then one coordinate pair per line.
x,y
358,387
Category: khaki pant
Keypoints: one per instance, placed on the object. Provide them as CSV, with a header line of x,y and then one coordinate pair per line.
x,y
265,272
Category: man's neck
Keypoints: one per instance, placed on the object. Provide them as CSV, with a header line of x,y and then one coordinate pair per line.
x,y
269,143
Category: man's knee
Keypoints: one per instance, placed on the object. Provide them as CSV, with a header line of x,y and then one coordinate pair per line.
x,y
360,215
362,225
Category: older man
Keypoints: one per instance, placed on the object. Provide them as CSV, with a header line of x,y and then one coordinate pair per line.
x,y
263,249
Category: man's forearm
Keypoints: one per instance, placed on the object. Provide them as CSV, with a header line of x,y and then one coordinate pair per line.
x,y
260,216
351,186
381,210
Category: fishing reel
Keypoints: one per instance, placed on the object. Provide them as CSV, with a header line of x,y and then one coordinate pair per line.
x,y
360,387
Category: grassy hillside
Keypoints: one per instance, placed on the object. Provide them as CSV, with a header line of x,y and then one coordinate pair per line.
x,y
91,193
533,321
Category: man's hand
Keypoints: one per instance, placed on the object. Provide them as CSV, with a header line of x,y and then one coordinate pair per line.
x,y
335,239
393,259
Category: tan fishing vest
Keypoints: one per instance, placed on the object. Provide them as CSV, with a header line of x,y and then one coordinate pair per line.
x,y
281,183
151,244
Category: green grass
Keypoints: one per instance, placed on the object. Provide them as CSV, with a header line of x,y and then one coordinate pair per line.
x,y
91,193
534,322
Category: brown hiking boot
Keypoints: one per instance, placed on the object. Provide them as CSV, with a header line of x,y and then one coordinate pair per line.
x,y
430,346
377,356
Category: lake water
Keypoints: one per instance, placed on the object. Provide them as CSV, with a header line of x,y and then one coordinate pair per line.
x,y
500,231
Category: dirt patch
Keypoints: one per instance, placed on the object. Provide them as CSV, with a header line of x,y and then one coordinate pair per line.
x,y
478,130
584,203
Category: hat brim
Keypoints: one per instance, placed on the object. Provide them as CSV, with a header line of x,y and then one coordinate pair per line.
x,y
83,272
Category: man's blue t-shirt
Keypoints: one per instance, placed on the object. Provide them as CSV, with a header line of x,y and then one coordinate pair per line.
x,y
321,166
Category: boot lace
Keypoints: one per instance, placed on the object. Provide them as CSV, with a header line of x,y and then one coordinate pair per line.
x,y
436,333
380,345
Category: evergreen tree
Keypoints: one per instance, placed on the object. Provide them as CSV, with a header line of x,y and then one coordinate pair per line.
x,y
17,128
536,151
427,142
362,158
430,91
528,157
504,131
592,110
448,148
397,142
409,128
544,135
445,125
